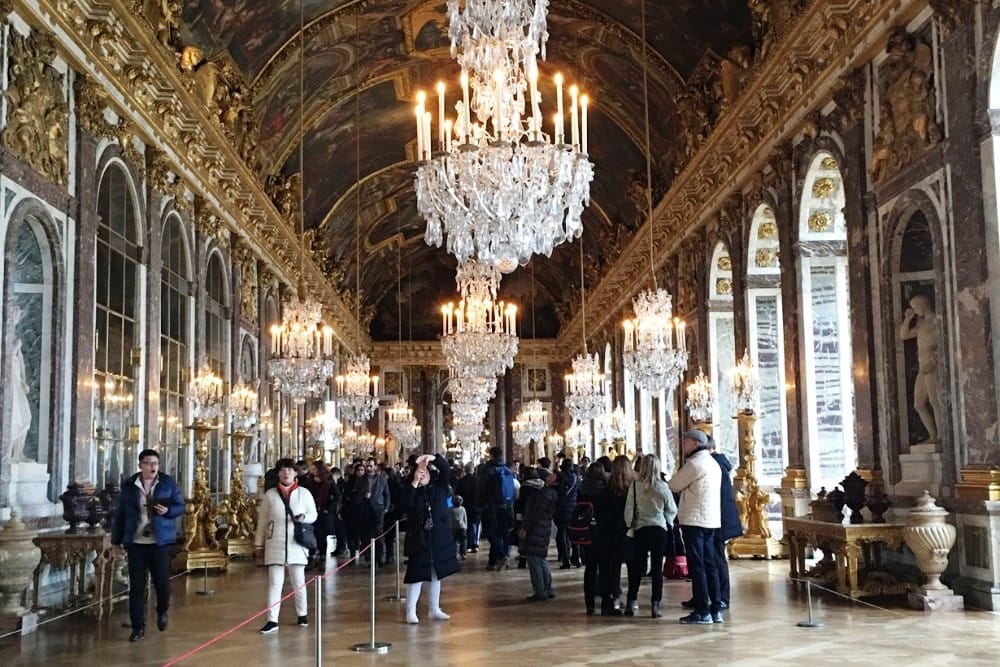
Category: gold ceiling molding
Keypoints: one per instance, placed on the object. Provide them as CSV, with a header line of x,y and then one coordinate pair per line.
x,y
150,90
428,352
800,73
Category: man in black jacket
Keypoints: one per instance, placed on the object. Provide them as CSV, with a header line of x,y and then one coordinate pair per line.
x,y
497,511
376,490
535,533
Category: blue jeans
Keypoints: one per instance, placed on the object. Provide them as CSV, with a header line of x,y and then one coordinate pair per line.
x,y
541,576
702,568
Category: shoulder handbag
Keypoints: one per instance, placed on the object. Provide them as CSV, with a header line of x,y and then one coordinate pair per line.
x,y
305,534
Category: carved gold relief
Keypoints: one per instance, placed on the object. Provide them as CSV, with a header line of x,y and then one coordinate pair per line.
x,y
908,112
829,163
725,263
767,231
91,101
766,258
38,114
820,221
824,187
723,286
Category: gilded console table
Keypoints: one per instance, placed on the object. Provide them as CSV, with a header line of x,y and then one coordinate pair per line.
x,y
61,550
846,548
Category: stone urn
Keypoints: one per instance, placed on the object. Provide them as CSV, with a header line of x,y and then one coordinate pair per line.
x,y
930,539
18,559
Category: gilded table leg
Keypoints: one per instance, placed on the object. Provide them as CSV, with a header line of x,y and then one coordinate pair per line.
x,y
852,550
793,562
841,557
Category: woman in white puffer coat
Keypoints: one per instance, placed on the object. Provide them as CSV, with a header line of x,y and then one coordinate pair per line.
x,y
276,545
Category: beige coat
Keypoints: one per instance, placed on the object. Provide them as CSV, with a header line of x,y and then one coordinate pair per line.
x,y
275,531
700,484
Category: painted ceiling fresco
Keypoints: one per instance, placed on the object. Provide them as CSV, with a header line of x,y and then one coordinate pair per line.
x,y
363,63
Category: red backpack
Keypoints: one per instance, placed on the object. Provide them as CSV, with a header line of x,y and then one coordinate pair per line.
x,y
582,524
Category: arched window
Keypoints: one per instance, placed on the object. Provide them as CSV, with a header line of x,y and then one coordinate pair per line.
x,y
217,337
175,346
722,348
118,309
28,352
831,450
766,341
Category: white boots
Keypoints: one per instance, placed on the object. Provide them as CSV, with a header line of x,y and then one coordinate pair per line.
x,y
434,612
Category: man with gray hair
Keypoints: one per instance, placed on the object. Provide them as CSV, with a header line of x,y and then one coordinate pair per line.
x,y
699,483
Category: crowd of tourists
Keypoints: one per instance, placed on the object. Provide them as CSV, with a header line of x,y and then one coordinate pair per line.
x,y
601,515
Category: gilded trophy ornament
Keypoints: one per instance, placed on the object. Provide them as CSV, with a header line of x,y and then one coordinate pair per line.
x,y
38,112
91,101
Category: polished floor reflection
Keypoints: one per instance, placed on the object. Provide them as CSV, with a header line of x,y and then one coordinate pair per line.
x,y
493,624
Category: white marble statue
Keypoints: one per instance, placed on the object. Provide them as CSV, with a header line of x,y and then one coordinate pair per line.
x,y
920,322
20,406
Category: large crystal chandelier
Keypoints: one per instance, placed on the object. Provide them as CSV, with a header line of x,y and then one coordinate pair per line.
x,y
610,426
243,404
745,384
701,399
205,394
402,424
655,348
585,387
479,337
651,356
531,423
301,360
357,390
499,186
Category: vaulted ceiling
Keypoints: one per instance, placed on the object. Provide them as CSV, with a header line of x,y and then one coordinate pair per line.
x,y
366,60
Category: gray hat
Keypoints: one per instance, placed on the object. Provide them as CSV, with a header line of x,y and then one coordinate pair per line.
x,y
697,436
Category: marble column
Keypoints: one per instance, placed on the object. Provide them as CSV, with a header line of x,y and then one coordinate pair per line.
x,y
645,444
499,426
151,352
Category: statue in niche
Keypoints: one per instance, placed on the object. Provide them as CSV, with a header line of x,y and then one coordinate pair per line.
x,y
920,322
17,385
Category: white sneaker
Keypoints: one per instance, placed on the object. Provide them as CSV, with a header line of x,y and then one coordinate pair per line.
x,y
438,615
411,618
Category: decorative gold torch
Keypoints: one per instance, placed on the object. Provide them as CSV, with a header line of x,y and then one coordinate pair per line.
x,y
701,403
238,509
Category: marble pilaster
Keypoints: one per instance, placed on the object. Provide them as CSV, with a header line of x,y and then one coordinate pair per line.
x,y
151,352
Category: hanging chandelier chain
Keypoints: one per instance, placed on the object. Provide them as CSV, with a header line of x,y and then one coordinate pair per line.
x,y
583,300
302,134
357,168
649,159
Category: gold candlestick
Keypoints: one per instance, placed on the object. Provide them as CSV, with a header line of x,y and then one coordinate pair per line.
x,y
238,508
201,548
751,500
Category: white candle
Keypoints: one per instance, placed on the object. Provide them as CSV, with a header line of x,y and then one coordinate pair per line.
x,y
375,385
420,124
467,137
447,135
574,115
441,131
427,134
559,108
584,103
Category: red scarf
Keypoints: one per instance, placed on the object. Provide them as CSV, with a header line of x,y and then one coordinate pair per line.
x,y
286,491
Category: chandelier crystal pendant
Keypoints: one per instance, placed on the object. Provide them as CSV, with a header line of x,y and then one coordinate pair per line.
x,y
499,187
655,348
701,399
479,337
357,390
585,388
301,360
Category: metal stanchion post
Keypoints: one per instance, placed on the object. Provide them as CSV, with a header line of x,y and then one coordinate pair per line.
x,y
809,604
204,587
398,597
372,646
319,620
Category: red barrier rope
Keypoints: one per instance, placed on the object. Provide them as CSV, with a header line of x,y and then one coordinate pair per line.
x,y
244,623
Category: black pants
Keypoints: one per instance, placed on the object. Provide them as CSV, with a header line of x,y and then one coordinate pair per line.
x,y
565,549
144,561
722,567
591,572
649,541
609,568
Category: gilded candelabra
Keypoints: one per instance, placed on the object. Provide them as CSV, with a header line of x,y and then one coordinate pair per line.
x,y
239,510
201,548
751,499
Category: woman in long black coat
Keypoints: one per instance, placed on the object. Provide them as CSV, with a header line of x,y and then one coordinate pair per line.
x,y
430,545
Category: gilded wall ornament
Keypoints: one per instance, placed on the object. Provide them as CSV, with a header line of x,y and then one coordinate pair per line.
x,y
829,163
723,286
38,113
824,187
249,288
767,231
725,263
91,101
908,112
820,221
766,258
162,17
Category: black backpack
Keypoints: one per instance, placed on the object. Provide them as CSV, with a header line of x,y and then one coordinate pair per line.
x,y
582,524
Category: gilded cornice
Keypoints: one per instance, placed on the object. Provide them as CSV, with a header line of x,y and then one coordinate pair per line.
x,y
428,352
798,76
108,42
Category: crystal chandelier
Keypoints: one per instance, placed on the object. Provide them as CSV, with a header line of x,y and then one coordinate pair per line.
x,y
701,399
479,337
499,187
554,442
357,390
402,425
205,394
578,436
301,360
359,444
610,426
243,404
471,390
585,387
654,356
745,384
531,423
